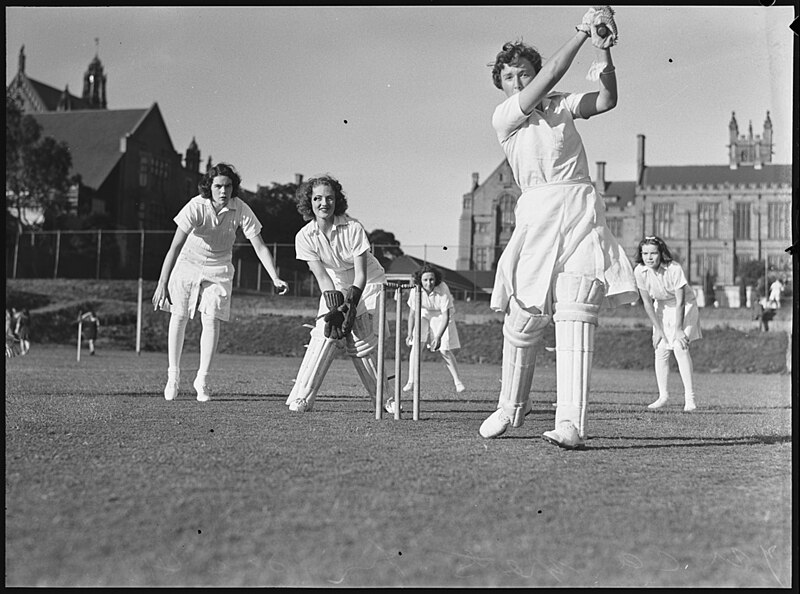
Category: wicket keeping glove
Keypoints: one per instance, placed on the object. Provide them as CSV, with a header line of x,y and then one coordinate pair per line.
x,y
335,317
351,302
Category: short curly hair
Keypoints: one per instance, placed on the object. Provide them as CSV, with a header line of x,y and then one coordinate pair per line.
x,y
225,169
663,250
510,54
437,274
303,195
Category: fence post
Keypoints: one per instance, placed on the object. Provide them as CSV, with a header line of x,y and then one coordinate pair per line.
x,y
16,254
58,249
99,241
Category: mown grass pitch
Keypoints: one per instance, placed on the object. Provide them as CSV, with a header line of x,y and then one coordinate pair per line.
x,y
107,484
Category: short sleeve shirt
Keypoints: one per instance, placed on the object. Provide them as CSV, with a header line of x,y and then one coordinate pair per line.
x,y
544,146
439,301
212,235
348,240
662,283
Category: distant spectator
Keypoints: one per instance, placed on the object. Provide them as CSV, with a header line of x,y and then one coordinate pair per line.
x,y
776,293
708,290
89,326
22,328
762,312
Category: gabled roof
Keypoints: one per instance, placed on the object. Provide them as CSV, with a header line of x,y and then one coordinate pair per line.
x,y
406,264
93,137
51,96
710,175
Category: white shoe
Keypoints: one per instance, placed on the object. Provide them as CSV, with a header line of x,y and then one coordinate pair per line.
x,y
495,424
460,387
689,406
662,400
171,389
565,436
299,405
408,387
389,405
203,393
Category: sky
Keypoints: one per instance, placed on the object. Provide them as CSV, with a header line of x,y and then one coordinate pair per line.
x,y
396,102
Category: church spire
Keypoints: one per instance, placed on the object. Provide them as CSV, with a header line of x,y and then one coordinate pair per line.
x,y
94,81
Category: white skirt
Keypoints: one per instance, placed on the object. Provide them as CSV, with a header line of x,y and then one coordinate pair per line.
x,y
561,227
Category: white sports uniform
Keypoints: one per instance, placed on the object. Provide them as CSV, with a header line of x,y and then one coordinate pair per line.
x,y
434,307
561,263
661,285
348,240
560,219
202,278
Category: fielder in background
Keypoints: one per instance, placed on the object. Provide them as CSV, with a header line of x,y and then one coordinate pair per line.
x,y
197,274
671,305
438,328
350,278
562,262
90,323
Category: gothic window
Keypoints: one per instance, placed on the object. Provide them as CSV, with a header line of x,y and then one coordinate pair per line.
x,y
144,168
741,220
778,220
708,220
707,263
615,226
505,214
663,218
481,259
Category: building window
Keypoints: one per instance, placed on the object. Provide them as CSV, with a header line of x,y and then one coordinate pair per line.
x,y
707,263
778,220
614,225
144,167
741,220
663,218
708,220
505,214
481,258
467,202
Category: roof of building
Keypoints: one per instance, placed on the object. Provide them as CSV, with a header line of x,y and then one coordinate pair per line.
x,y
710,175
93,137
51,96
626,190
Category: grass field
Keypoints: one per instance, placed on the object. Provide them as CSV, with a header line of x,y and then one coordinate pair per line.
x,y
107,484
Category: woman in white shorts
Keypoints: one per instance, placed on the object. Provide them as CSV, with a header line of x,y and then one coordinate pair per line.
x,y
197,274
437,326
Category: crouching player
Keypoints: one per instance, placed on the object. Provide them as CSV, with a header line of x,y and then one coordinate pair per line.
x,y
561,263
350,278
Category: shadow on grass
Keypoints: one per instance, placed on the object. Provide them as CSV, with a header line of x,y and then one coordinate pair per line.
x,y
690,442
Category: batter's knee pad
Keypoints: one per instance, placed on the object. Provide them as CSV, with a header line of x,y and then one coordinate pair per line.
x,y
577,301
316,362
522,334
362,340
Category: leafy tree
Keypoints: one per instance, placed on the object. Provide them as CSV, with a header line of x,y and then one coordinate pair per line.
x,y
385,247
275,207
37,166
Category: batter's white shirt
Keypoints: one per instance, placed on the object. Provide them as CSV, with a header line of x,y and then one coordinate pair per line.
x,y
545,146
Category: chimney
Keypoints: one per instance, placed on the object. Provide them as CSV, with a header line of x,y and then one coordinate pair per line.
x,y
640,159
600,184
298,178
474,180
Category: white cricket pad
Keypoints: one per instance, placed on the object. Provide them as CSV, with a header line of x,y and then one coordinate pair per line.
x,y
316,362
577,307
